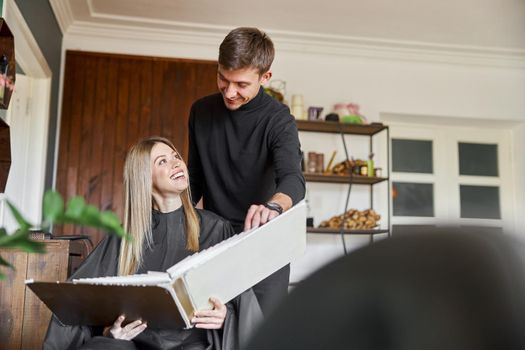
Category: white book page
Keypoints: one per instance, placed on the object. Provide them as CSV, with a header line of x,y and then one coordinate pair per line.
x,y
243,261
205,255
198,258
145,279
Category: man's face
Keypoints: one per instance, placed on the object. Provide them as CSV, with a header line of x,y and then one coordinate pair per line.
x,y
239,86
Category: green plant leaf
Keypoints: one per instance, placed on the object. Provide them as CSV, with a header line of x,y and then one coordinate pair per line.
x,y
52,206
91,216
112,223
20,239
22,222
109,219
75,207
4,262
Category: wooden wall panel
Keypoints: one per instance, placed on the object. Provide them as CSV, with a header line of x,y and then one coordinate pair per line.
x,y
106,199
109,103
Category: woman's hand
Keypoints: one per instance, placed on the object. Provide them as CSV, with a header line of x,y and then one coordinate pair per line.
x,y
210,319
128,332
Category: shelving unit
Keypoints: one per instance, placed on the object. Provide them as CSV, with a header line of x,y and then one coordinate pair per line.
x,y
340,179
337,128
350,129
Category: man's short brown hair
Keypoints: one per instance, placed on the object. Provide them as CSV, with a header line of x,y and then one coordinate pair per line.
x,y
246,47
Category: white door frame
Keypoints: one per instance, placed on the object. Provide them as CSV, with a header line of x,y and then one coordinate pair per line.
x,y
30,58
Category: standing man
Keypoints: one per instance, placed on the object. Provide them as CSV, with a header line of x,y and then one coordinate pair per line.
x,y
244,154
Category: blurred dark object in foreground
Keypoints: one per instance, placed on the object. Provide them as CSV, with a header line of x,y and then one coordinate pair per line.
x,y
440,290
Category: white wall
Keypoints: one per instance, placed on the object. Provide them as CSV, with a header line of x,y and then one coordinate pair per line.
x,y
405,87
381,80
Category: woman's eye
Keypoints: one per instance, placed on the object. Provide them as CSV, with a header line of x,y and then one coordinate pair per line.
x,y
162,161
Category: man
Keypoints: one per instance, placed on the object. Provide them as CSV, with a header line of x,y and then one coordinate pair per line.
x,y
244,154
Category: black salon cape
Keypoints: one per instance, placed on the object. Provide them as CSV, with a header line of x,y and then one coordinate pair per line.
x,y
169,240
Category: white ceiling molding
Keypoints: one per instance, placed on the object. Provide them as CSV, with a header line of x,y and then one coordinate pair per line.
x,y
185,33
399,50
63,14
140,34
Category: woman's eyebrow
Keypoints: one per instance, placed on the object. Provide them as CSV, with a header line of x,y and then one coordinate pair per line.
x,y
162,155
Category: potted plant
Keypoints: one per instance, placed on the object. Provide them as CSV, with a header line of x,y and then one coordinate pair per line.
x,y
54,211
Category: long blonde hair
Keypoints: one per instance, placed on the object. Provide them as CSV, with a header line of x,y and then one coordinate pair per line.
x,y
138,202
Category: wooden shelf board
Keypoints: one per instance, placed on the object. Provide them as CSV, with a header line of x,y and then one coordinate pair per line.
x,y
336,127
356,179
337,231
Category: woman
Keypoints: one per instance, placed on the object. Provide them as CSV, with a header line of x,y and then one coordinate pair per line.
x,y
165,228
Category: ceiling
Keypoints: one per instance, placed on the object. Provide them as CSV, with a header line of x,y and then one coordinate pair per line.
x,y
494,24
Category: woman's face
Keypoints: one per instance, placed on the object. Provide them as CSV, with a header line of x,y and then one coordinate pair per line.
x,y
168,170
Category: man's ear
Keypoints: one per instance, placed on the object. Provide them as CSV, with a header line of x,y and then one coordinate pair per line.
x,y
265,77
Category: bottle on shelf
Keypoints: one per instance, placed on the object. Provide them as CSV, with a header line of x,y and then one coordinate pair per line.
x,y
370,165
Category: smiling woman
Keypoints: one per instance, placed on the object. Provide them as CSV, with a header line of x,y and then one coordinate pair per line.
x,y
150,166
165,228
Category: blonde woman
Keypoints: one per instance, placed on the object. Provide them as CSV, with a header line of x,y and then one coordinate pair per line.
x,y
165,228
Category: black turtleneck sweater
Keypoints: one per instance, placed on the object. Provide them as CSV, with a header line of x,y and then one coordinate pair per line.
x,y
243,157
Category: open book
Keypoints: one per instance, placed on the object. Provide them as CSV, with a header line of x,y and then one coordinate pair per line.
x,y
169,299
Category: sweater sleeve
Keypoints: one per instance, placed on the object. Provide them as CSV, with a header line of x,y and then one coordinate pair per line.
x,y
194,162
286,152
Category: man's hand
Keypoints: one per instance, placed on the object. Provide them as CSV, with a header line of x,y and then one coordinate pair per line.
x,y
210,319
258,215
128,332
